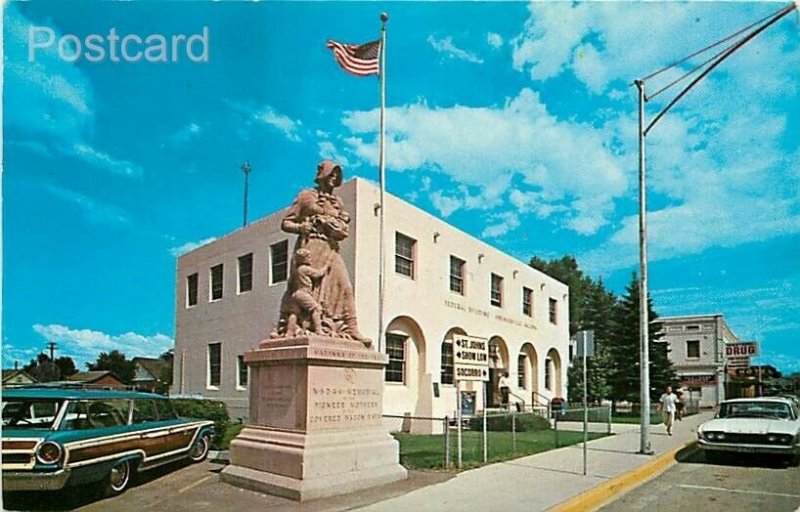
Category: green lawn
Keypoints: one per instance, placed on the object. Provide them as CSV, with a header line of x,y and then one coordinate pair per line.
x,y
427,452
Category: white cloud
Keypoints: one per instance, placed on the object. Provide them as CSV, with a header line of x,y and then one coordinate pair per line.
x,y
189,246
502,224
494,40
448,49
84,345
723,161
266,115
105,161
55,100
284,124
186,133
94,211
568,165
328,150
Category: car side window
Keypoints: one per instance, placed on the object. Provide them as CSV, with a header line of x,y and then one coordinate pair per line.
x,y
143,411
77,416
108,413
165,410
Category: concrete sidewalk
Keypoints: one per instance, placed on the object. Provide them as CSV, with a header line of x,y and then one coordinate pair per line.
x,y
542,481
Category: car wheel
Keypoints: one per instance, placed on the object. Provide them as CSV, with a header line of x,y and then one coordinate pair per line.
x,y
199,450
119,478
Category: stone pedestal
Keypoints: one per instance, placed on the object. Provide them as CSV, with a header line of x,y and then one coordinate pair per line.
x,y
315,421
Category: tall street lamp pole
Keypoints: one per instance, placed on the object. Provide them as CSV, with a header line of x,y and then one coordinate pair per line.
x,y
246,171
644,322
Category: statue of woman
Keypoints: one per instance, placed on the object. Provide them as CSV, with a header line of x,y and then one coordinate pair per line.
x,y
318,217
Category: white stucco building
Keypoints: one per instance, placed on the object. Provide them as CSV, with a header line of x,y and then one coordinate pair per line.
x,y
697,351
439,282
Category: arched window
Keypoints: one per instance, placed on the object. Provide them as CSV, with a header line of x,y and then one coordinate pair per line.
x,y
548,374
447,362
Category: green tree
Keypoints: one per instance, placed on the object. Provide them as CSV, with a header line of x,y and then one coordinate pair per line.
x,y
42,369
598,313
567,270
590,307
66,366
624,350
165,375
116,362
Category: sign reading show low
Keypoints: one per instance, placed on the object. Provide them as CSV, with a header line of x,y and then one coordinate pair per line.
x,y
470,358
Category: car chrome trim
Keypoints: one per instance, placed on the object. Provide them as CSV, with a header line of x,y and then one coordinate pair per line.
x,y
28,481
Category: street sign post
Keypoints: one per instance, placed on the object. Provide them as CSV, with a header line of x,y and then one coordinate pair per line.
x,y
470,363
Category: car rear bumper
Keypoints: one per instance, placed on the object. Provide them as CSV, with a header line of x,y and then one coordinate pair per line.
x,y
29,481
748,448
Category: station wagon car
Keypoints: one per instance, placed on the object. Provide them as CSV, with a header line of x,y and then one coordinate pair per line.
x,y
753,425
54,437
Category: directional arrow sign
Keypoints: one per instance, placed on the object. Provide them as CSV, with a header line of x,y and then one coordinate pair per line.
x,y
471,361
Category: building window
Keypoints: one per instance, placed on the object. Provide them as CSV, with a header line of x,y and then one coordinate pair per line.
x,y
553,311
497,291
396,350
214,365
279,262
241,372
693,349
246,273
216,282
404,255
548,373
447,362
693,328
191,290
521,360
527,301
457,275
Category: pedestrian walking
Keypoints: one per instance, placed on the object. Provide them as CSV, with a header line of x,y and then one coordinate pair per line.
x,y
667,404
505,389
679,405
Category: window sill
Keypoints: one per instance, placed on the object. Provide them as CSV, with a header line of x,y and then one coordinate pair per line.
x,y
212,388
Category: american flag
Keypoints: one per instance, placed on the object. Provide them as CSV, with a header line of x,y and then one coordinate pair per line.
x,y
360,60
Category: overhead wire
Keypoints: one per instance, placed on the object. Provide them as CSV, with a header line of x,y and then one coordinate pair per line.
x,y
712,45
725,54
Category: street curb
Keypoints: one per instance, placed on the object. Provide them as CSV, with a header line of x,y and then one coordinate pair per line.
x,y
601,494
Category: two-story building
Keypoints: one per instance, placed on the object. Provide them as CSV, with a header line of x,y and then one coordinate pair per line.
x,y
439,282
697,351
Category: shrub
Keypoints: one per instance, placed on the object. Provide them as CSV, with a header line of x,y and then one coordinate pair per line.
x,y
203,409
524,423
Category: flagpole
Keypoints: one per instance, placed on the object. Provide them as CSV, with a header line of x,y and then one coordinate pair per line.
x,y
382,180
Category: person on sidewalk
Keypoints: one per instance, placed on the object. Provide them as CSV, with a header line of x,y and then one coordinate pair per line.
x,y
679,405
505,389
667,406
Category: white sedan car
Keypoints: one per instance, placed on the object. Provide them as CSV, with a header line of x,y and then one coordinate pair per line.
x,y
753,425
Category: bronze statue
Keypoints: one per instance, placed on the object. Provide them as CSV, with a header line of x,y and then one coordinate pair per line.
x,y
318,217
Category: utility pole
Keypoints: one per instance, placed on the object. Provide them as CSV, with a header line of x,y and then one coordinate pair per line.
x,y
246,171
52,346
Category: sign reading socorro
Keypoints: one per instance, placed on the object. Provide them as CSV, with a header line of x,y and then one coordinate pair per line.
x,y
470,358
746,349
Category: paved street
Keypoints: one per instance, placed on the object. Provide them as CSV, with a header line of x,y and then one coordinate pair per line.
x,y
181,487
737,483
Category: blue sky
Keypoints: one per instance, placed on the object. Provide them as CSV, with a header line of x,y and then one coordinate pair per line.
x,y
514,122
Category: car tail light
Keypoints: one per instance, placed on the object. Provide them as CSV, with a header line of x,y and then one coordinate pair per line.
x,y
48,453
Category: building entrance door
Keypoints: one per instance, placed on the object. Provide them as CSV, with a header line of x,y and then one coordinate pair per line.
x,y
492,400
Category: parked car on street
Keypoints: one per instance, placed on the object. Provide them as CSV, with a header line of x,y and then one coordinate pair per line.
x,y
54,437
753,425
